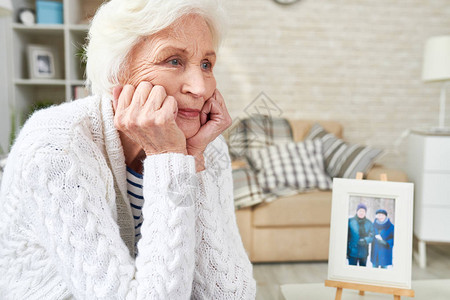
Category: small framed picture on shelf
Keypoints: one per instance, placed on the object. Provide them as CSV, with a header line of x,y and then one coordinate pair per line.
x,y
371,232
43,62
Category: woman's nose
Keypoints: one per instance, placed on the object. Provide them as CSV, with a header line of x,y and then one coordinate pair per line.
x,y
194,82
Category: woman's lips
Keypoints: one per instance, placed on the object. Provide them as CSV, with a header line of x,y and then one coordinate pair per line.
x,y
189,113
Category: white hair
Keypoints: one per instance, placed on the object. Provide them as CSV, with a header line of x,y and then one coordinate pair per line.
x,y
119,25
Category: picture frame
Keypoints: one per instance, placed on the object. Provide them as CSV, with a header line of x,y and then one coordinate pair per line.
x,y
389,255
43,62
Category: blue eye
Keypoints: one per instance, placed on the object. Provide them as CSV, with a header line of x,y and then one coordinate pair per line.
x,y
206,65
174,62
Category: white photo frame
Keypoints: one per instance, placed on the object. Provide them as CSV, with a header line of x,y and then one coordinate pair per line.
x,y
43,62
347,192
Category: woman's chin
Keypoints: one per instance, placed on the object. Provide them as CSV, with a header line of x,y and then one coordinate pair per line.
x,y
189,128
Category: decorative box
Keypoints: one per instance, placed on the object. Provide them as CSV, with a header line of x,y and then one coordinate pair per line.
x,y
49,12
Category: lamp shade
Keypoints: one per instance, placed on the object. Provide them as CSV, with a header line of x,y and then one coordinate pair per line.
x,y
436,60
5,7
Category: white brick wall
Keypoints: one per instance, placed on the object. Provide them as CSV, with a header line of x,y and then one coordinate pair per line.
x,y
355,61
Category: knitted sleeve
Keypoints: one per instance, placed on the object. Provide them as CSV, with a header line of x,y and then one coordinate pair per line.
x,y
74,213
223,270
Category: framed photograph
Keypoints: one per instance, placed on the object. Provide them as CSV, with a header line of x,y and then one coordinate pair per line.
x,y
43,62
371,232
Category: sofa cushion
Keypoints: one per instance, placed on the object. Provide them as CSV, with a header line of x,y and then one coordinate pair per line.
x,y
342,159
290,244
246,190
244,223
301,128
305,209
257,132
290,167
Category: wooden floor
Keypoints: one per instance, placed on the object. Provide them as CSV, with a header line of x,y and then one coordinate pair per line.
x,y
269,276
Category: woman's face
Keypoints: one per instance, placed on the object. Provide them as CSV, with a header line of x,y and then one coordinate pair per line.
x,y
181,59
361,213
381,217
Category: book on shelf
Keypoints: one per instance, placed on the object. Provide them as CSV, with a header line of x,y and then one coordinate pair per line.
x,y
80,91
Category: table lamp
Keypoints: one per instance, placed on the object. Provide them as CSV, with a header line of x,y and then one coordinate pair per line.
x,y
5,7
436,67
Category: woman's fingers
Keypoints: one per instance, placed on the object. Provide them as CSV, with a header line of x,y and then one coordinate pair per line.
x,y
129,100
169,108
226,115
206,110
218,96
219,112
139,98
214,120
141,94
156,98
129,96
116,93
147,116
125,97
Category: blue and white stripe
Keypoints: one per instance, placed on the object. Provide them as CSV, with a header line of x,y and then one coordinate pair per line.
x,y
135,195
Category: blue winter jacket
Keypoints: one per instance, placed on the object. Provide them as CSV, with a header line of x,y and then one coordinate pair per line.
x,y
382,254
355,247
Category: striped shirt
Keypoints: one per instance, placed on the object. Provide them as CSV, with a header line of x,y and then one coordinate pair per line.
x,y
135,195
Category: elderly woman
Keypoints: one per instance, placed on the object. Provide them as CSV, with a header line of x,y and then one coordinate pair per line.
x,y
125,194
383,242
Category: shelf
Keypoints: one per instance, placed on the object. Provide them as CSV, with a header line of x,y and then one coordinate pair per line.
x,y
77,82
65,41
44,82
83,28
40,29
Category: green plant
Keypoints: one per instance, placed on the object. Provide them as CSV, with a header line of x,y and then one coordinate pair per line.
x,y
40,105
12,134
81,54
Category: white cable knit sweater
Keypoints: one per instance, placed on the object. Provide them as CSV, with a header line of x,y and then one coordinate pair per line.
x,y
66,228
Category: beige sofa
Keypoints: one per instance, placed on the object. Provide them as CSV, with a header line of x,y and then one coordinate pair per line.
x,y
295,228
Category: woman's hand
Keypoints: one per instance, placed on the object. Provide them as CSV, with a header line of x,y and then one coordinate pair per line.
x,y
146,115
214,119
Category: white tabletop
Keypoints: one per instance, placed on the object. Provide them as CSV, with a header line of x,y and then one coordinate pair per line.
x,y
433,289
431,131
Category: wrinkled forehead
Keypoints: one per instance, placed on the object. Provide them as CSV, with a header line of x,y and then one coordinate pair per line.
x,y
189,28
189,34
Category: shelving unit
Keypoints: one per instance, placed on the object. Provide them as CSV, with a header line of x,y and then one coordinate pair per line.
x,y
66,39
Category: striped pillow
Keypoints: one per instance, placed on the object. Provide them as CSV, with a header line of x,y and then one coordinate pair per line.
x,y
343,160
257,132
290,168
246,190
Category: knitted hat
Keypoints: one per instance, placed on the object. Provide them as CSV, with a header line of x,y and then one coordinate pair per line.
x,y
381,211
361,205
